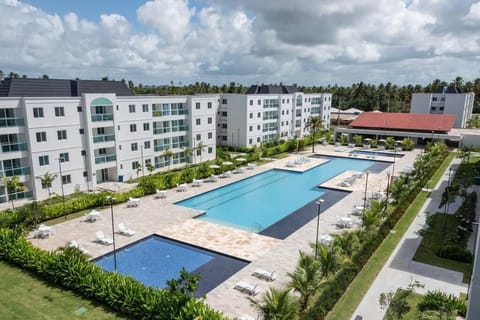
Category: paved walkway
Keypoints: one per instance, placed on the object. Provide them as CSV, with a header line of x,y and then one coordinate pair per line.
x,y
163,217
400,270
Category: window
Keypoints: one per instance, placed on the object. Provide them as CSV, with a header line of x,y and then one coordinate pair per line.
x,y
38,112
59,112
210,135
81,131
210,150
251,102
67,179
133,128
209,120
131,108
146,126
79,109
41,136
198,137
146,144
64,157
197,121
197,105
134,146
145,107
43,161
62,134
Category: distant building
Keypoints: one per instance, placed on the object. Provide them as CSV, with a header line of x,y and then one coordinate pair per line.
x,y
445,100
267,113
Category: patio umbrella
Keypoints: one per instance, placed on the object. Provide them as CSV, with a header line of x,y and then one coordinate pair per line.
x,y
241,159
214,166
227,163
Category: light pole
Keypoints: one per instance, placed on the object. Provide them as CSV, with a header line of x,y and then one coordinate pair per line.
x,y
319,202
60,160
365,199
113,233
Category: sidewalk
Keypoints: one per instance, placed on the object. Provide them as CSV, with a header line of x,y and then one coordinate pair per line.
x,y
400,270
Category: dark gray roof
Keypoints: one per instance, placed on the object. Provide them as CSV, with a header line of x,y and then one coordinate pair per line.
x,y
445,89
31,87
271,89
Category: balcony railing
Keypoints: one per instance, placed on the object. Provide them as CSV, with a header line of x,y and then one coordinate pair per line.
x,y
12,147
12,122
19,171
102,117
104,138
105,158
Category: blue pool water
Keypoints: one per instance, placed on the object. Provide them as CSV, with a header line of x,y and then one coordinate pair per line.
x,y
257,202
154,260
377,153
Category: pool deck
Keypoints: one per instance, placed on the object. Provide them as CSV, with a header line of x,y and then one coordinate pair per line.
x,y
163,217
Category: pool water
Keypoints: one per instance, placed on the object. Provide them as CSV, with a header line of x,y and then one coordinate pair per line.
x,y
155,260
257,202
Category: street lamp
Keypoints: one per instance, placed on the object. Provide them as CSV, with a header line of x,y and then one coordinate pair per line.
x,y
113,232
60,160
319,202
365,198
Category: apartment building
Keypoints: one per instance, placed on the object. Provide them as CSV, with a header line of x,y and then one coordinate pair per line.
x,y
267,113
445,100
88,132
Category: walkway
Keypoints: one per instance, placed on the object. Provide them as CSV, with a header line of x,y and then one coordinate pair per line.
x,y
400,270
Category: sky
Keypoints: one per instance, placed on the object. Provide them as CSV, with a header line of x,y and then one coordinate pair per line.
x,y
308,42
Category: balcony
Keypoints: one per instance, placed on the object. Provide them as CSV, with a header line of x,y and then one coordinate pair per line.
x,y
19,171
12,147
12,122
104,138
105,158
102,117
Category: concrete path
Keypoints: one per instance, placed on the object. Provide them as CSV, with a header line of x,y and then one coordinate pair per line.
x,y
400,270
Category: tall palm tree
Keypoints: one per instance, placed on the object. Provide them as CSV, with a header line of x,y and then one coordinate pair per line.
x,y
13,185
47,180
314,123
276,305
306,279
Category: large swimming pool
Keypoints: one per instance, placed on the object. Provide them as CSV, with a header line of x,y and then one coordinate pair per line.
x,y
257,202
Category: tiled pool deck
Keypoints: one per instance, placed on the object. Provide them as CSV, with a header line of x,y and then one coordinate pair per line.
x,y
161,216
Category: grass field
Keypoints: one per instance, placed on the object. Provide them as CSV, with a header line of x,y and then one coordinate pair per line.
x,y
346,306
23,296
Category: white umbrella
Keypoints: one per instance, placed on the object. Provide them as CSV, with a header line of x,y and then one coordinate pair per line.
x,y
241,159
227,163
214,166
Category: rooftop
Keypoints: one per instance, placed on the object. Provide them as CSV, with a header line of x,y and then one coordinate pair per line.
x,y
404,121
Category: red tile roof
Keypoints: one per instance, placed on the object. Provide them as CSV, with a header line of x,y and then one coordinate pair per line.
x,y
404,121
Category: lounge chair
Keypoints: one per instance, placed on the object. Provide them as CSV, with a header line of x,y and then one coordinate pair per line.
x,y
181,187
75,244
125,231
102,239
264,274
246,287
161,194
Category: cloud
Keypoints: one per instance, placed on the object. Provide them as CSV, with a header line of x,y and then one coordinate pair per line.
x,y
303,41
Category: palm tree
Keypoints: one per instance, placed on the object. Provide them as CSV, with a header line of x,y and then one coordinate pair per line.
x,y
276,305
47,180
314,123
306,278
200,147
13,185
167,154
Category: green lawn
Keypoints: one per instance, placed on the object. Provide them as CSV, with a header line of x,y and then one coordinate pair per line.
x,y
433,239
23,296
346,306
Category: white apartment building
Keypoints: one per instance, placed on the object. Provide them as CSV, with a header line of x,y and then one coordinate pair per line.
x,y
89,132
445,100
267,113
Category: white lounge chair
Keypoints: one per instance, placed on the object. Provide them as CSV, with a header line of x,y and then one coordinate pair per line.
x,y
123,230
102,239
161,194
246,287
181,187
75,244
264,274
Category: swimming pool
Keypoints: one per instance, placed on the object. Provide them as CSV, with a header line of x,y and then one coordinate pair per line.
x,y
155,260
257,202
377,153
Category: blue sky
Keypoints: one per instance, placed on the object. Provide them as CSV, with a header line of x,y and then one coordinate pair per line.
x,y
309,42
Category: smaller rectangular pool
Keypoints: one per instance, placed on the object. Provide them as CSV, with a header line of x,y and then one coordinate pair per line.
x,y
155,260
